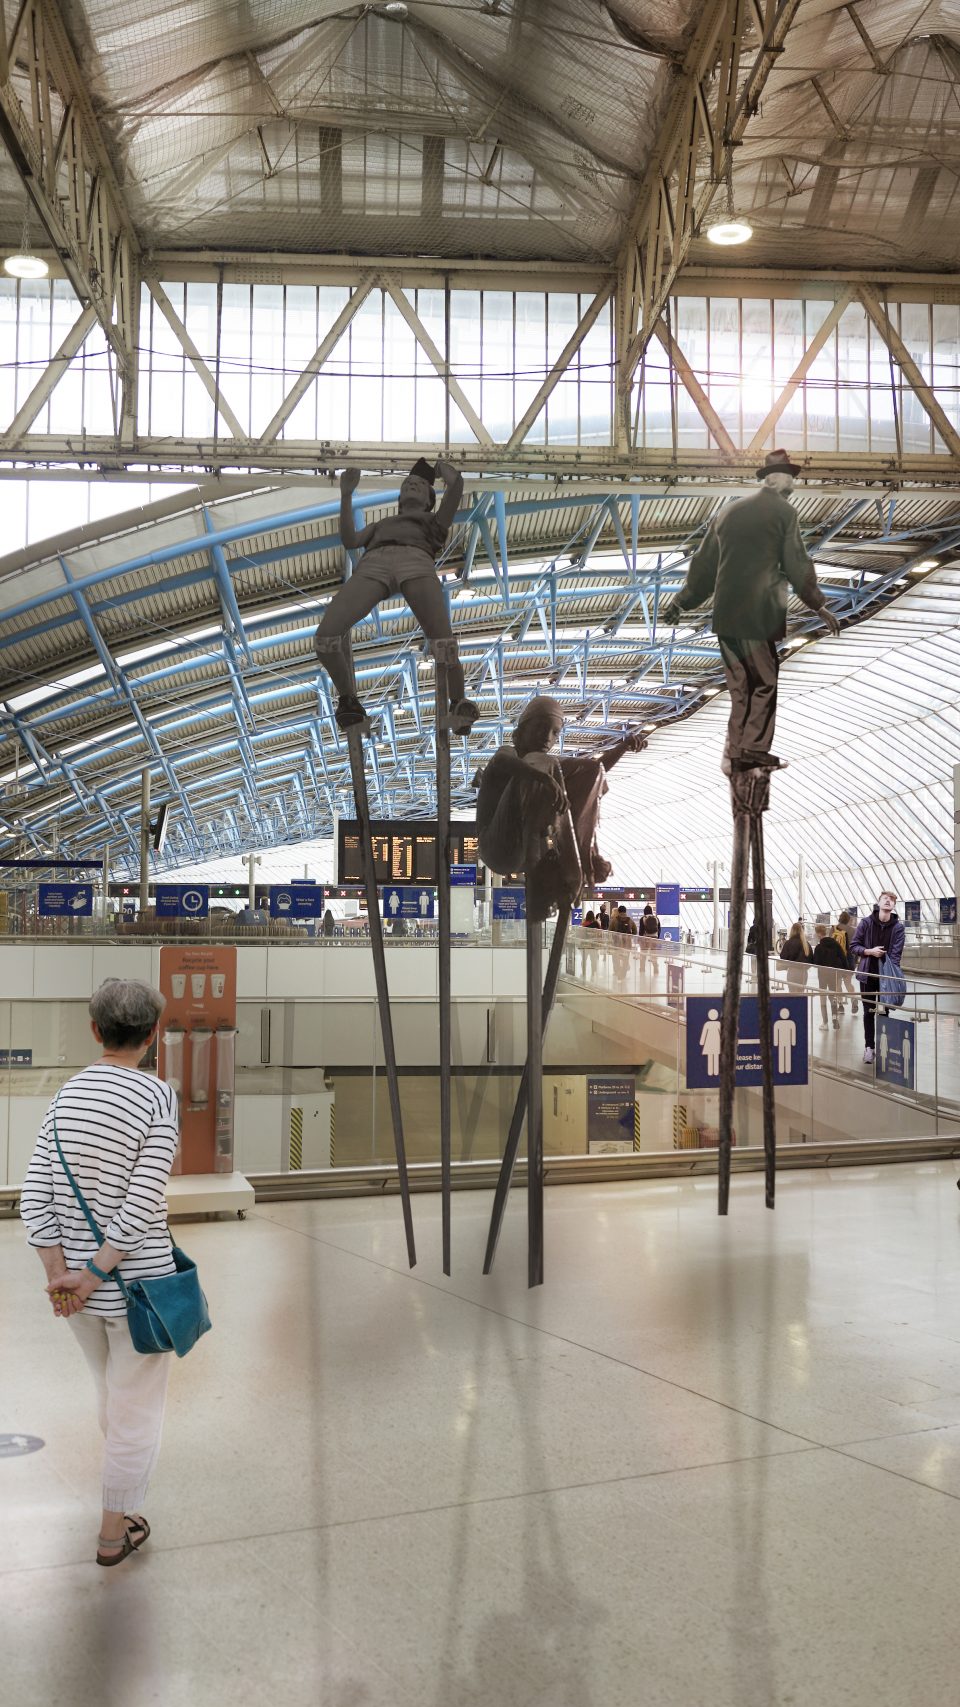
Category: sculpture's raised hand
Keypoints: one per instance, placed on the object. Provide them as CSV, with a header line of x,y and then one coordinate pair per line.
x,y
349,479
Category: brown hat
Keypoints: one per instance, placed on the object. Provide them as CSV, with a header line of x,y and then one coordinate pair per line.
x,y
778,462
541,706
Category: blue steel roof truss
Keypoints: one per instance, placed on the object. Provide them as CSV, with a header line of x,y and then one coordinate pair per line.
x,y
537,642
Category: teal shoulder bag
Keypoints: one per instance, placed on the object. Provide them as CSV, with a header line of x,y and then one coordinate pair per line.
x,y
166,1312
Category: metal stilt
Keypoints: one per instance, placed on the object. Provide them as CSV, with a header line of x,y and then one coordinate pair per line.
x,y
750,794
520,1106
358,774
442,652
763,1009
730,1013
534,1101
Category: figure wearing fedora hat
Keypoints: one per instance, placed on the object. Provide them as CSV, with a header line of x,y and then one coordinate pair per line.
x,y
399,556
750,558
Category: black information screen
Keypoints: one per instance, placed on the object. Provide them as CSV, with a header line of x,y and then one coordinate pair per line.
x,y
404,850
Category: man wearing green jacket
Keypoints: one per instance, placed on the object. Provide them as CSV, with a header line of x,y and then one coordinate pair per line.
x,y
749,559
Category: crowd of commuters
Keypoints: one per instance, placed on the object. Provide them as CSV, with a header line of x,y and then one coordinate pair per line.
x,y
848,959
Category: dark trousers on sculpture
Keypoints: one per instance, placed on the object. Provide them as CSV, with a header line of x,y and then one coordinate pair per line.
x,y
357,597
751,668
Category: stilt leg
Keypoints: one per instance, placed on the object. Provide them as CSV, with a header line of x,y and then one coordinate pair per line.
x,y
520,1106
534,1102
441,649
730,1017
358,774
763,1009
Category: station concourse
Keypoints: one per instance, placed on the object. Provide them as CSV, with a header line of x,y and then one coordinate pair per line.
x,y
472,1395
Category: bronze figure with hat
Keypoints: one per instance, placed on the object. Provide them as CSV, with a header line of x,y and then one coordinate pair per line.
x,y
750,558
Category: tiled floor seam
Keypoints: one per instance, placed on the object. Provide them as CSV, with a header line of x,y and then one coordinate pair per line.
x,y
887,1470
455,1505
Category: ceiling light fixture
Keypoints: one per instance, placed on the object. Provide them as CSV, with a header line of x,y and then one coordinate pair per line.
x,y
727,228
925,566
24,264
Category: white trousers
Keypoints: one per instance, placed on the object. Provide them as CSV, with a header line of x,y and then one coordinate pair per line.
x,y
131,1394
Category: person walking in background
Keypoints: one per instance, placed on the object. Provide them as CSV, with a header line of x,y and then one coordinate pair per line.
x,y
118,1130
590,944
878,934
603,917
622,928
830,961
649,924
843,931
796,952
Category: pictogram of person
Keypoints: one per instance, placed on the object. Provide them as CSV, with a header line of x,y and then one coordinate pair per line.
x,y
784,1041
907,1052
710,1042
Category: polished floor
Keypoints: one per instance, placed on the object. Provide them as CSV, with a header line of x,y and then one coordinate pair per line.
x,y
711,1462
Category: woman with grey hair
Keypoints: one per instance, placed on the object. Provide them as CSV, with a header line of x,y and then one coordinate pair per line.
x,y
117,1128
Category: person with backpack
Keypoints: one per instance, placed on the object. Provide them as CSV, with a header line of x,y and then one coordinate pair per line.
x,y
879,935
830,960
843,931
796,950
649,924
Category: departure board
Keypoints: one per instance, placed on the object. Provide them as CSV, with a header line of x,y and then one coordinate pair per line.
x,y
350,863
404,850
425,867
401,859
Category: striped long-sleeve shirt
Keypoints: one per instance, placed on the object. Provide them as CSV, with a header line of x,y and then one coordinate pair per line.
x,y
118,1130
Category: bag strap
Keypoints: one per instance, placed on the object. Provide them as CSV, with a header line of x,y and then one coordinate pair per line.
x,y
78,1194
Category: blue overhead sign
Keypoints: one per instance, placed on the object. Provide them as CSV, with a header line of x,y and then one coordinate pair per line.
x,y
668,899
896,1052
788,1025
182,900
463,876
296,901
65,900
510,904
407,901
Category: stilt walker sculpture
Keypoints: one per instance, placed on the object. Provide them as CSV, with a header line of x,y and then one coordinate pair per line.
x,y
399,556
751,556
537,814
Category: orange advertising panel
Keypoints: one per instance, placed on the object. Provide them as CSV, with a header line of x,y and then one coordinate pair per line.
x,y
197,1043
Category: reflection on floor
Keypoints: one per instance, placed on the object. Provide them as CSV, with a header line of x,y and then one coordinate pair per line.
x,y
710,1461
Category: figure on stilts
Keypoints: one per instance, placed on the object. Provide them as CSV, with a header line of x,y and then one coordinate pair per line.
x,y
749,559
537,814
399,556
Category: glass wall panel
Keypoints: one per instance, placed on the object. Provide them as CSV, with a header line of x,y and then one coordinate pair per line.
x,y
915,332
690,331
853,372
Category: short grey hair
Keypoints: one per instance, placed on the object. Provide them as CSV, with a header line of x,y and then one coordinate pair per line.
x,y
125,1011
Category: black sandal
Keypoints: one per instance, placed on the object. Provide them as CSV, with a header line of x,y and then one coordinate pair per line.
x,y
136,1532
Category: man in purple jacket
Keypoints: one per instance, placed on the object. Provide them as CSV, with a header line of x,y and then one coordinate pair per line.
x,y
877,934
